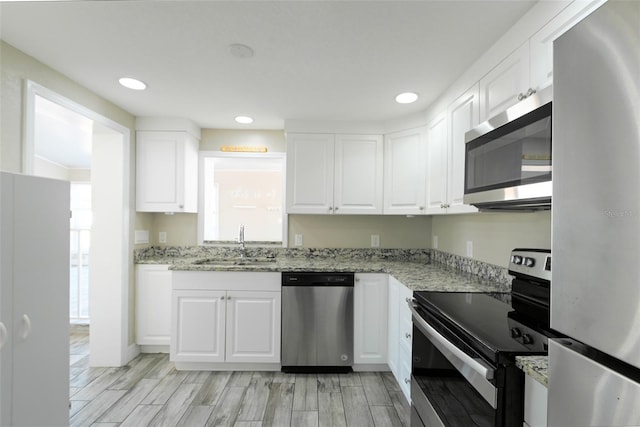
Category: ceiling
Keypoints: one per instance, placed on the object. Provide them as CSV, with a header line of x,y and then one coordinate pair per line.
x,y
313,60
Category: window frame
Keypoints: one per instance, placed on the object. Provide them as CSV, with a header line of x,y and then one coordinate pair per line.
x,y
202,155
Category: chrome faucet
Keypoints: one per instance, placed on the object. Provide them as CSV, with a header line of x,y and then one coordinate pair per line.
x,y
241,238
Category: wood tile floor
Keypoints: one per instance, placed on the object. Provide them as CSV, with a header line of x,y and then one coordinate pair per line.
x,y
150,392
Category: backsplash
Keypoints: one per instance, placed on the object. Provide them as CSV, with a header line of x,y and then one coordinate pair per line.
x,y
468,265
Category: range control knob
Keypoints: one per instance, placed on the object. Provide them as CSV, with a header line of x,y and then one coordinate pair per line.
x,y
517,259
527,339
515,333
529,262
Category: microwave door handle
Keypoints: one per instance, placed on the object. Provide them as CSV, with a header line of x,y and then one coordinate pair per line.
x,y
448,349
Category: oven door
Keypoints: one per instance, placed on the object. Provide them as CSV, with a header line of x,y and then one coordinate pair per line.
x,y
449,386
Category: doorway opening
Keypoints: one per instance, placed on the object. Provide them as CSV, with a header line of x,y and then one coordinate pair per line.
x,y
67,141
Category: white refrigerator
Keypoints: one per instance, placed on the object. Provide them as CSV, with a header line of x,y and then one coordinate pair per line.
x,y
594,376
34,301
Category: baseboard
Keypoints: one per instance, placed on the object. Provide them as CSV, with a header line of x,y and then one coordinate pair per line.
x,y
206,366
376,367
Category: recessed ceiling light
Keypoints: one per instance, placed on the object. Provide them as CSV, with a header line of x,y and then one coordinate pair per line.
x,y
131,83
245,120
240,50
406,98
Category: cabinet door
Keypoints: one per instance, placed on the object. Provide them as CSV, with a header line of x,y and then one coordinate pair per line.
x,y
358,174
404,172
535,403
393,331
437,164
153,304
370,318
310,173
40,279
253,326
166,165
541,43
463,116
500,88
197,333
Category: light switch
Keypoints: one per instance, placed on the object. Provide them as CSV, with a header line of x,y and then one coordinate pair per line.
x,y
298,240
162,237
375,240
469,249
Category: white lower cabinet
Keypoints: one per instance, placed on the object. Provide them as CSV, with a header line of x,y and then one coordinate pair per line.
x,y
253,326
400,334
535,403
225,318
370,318
199,326
153,307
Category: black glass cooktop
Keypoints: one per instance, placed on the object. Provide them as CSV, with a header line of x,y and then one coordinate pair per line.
x,y
480,320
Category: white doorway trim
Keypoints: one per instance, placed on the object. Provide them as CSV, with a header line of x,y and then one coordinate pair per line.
x,y
111,260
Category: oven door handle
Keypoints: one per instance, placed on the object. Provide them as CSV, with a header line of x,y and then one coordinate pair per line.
x,y
448,349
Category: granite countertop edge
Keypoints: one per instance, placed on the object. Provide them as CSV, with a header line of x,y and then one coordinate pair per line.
x,y
536,367
418,275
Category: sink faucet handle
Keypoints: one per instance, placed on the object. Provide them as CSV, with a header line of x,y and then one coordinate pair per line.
x,y
241,235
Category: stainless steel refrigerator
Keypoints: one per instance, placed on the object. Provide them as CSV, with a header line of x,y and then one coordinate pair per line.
x,y
594,377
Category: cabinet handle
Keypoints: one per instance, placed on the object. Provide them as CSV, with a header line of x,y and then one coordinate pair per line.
x,y
26,330
357,279
181,206
407,335
421,208
408,300
3,335
330,208
407,380
222,297
521,96
336,208
530,92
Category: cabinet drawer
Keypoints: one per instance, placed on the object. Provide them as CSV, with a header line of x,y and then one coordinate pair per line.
x,y
406,332
406,295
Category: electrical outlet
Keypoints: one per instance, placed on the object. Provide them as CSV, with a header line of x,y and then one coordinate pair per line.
x,y
435,242
298,240
469,249
375,240
162,237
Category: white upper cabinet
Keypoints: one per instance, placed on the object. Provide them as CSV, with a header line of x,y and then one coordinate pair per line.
x,y
166,171
437,167
541,43
462,117
339,174
506,84
358,174
405,165
446,152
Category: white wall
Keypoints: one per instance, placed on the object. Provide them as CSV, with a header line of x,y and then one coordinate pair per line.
x,y
110,254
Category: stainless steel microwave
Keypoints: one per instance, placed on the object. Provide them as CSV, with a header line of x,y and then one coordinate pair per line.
x,y
508,158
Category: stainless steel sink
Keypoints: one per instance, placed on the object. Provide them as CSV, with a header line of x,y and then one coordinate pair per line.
x,y
235,261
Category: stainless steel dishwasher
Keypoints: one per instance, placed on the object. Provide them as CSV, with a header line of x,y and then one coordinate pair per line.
x,y
317,322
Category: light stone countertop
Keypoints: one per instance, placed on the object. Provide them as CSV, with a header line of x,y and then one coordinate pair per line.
x,y
416,275
536,367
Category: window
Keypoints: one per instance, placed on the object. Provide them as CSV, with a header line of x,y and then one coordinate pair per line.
x,y
241,189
